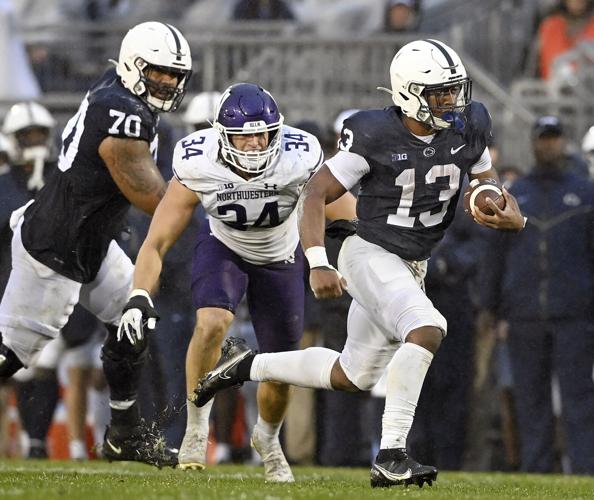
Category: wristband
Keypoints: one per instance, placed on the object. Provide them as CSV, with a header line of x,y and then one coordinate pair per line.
x,y
525,221
140,291
316,256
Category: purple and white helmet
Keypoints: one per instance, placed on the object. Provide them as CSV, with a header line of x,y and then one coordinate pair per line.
x,y
245,108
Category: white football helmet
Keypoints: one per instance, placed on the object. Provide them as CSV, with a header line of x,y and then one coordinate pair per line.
x,y
5,153
202,109
425,66
29,129
159,46
27,114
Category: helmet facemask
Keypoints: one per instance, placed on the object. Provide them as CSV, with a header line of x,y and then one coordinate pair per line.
x,y
438,115
252,162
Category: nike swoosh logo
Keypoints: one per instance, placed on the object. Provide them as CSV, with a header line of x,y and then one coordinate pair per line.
x,y
393,476
116,449
224,375
455,150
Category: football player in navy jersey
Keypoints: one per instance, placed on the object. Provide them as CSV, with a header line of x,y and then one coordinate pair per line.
x,y
64,249
410,160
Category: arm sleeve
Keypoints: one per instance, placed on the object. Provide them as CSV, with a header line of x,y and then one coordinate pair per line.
x,y
348,168
483,164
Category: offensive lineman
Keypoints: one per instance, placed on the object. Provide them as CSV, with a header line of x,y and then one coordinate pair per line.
x,y
64,249
248,172
410,160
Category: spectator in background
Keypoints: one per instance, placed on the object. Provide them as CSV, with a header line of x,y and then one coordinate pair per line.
x,y
588,150
549,144
262,10
541,282
401,16
571,23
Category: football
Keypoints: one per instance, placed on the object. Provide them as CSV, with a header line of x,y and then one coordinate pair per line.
x,y
476,194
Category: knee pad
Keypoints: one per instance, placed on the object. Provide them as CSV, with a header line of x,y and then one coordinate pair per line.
x,y
9,363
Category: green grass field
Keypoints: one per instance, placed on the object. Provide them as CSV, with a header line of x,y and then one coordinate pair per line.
x,y
43,480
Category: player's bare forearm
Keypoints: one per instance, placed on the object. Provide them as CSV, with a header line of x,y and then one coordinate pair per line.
x,y
171,218
133,169
147,268
321,190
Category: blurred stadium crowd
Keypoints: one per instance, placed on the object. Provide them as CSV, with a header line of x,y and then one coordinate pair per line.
x,y
532,63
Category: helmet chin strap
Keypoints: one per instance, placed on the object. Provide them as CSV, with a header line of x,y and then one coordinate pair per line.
x,y
38,155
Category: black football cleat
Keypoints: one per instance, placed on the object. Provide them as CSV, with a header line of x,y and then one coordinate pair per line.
x,y
225,373
394,467
140,443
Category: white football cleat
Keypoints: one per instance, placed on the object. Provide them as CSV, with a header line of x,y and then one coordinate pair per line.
x,y
276,467
192,453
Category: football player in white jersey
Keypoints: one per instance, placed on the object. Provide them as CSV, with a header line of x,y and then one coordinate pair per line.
x,y
248,172
410,160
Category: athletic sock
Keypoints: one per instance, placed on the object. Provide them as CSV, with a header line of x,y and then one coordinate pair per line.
x,y
269,430
406,373
309,367
198,417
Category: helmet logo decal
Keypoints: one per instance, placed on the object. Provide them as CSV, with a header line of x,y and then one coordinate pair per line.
x,y
446,54
178,55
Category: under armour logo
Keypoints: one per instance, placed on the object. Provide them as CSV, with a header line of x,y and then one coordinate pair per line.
x,y
269,186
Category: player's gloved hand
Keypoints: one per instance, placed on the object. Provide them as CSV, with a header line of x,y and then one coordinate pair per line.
x,y
139,313
341,229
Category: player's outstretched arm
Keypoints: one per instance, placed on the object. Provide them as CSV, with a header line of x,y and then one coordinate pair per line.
x,y
171,218
509,218
133,169
321,190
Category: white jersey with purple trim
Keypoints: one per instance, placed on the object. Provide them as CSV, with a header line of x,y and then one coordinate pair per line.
x,y
255,218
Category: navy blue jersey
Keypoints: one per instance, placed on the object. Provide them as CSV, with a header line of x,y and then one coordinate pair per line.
x,y
80,210
408,198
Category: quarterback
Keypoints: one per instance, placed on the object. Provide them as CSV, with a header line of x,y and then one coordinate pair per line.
x,y
248,172
410,160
